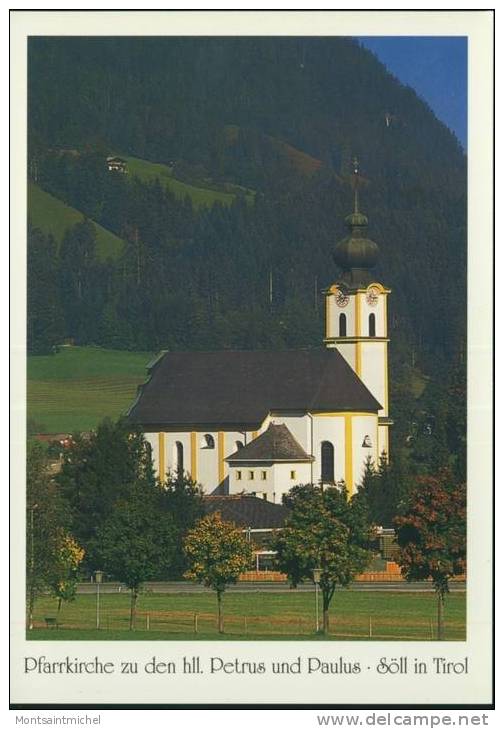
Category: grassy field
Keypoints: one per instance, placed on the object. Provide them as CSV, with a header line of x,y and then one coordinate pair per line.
x,y
200,196
251,616
76,388
53,216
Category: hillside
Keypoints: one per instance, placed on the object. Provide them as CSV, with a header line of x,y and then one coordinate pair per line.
x,y
54,216
280,116
76,388
200,196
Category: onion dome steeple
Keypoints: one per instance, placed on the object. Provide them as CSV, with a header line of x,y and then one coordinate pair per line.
x,y
356,253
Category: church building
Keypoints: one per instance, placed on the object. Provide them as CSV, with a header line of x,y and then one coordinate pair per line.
x,y
260,422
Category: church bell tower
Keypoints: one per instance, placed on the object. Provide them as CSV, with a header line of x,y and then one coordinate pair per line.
x,y
356,311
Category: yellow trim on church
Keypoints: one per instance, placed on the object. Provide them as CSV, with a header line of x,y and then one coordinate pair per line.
x,y
358,351
220,455
348,454
385,316
328,316
358,359
194,457
162,462
325,414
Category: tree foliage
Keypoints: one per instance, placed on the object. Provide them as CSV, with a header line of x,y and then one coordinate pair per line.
x,y
53,555
45,322
384,490
183,499
138,540
324,531
218,554
99,470
432,534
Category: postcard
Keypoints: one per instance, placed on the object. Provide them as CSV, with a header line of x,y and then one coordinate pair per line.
x,y
252,359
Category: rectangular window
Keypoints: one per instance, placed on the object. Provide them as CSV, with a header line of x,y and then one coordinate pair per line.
x,y
265,497
251,475
238,475
264,475
293,475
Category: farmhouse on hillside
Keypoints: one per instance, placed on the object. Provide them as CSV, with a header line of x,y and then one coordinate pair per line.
x,y
259,422
116,164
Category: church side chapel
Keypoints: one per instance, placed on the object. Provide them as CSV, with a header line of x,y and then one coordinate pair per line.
x,y
260,422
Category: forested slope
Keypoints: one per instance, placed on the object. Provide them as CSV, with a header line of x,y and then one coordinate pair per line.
x,y
282,117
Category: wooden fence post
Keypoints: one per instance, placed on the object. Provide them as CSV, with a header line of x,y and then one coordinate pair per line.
x,y
148,621
370,627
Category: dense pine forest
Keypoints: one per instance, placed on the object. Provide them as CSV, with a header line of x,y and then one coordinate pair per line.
x,y
282,117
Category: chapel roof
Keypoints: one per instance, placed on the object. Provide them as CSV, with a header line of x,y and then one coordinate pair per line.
x,y
247,511
237,389
276,444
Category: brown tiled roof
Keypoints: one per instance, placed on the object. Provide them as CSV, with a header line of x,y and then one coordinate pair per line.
x,y
247,511
276,444
237,389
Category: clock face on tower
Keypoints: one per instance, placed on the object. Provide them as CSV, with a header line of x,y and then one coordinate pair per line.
x,y
372,296
342,299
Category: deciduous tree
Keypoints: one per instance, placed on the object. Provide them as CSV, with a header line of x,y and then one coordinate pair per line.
x,y
138,540
218,553
324,531
99,470
52,553
432,535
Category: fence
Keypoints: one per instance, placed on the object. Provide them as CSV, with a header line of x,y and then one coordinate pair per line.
x,y
198,624
391,573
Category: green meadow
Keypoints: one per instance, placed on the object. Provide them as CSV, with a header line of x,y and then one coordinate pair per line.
x,y
287,615
54,216
200,196
76,388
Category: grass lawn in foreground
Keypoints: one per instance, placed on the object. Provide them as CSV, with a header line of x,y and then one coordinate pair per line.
x,y
76,388
258,615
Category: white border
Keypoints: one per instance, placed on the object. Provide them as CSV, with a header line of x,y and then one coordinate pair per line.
x,y
475,688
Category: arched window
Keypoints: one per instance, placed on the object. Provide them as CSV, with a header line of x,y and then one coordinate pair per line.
x,y
179,457
208,441
372,325
342,325
327,462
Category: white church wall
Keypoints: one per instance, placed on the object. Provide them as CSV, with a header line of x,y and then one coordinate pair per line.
x,y
348,350
226,445
270,481
208,467
153,440
171,440
373,370
332,429
333,312
379,311
364,430
287,475
246,478
298,424
383,439
206,459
